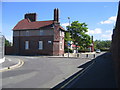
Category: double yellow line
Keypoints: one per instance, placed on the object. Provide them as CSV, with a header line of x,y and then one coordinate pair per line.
x,y
76,76
21,62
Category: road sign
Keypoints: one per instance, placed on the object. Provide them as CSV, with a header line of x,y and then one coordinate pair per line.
x,y
69,44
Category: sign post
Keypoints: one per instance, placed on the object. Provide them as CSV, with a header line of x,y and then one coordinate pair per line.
x,y
68,47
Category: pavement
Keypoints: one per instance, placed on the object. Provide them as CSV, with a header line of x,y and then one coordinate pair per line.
x,y
10,64
99,74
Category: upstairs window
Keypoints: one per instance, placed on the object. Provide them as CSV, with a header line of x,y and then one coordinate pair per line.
x,y
27,33
41,32
61,46
60,33
26,45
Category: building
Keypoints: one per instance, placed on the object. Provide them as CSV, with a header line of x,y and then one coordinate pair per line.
x,y
115,47
2,45
32,37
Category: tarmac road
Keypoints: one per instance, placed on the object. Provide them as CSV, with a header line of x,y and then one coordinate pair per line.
x,y
41,72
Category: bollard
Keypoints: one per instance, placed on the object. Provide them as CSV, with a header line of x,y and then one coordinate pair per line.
x,y
77,55
8,67
86,55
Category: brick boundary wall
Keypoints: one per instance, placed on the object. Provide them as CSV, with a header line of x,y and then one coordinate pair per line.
x,y
115,47
2,44
9,50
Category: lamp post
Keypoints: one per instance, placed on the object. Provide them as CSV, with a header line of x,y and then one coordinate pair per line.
x,y
69,33
76,47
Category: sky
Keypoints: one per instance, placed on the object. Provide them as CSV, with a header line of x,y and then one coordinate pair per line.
x,y
99,16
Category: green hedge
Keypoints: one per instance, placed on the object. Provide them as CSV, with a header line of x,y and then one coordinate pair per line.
x,y
66,50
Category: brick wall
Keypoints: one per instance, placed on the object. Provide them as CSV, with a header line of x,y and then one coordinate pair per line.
x,y
9,50
2,41
115,48
33,45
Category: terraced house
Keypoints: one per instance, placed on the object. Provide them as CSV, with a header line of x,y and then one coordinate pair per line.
x,y
32,37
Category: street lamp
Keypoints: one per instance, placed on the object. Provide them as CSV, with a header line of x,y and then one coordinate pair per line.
x,y
76,46
69,33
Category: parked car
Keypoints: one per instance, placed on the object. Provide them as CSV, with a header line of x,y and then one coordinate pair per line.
x,y
98,51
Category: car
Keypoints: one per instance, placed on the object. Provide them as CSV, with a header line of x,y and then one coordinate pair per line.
x,y
98,51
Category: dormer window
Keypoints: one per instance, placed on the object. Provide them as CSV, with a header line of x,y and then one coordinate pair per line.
x,y
27,33
41,32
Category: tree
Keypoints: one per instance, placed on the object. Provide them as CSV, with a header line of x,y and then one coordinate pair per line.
x,y
103,45
7,43
78,34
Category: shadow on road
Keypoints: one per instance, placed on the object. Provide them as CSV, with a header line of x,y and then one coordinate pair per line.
x,y
100,75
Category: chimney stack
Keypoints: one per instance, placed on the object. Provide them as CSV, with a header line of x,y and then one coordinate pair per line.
x,y
31,16
56,14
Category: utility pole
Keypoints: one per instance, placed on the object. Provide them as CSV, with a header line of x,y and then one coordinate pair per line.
x,y
69,33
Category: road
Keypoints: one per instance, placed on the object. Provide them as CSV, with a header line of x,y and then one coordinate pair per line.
x,y
41,72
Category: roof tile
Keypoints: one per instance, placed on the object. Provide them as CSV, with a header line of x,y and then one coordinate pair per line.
x,y
26,24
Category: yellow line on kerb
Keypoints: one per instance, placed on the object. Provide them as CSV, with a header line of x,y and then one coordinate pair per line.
x,y
21,62
75,77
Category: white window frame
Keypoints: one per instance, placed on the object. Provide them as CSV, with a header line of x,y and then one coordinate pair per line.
x,y
27,33
40,45
49,42
26,45
61,47
60,33
41,32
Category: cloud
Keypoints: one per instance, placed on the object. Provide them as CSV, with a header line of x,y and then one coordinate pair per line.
x,y
65,24
9,38
107,35
110,20
95,31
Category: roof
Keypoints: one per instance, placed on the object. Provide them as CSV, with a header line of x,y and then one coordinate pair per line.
x,y
27,24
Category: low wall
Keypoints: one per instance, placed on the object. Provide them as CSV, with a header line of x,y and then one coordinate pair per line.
x,y
9,50
2,44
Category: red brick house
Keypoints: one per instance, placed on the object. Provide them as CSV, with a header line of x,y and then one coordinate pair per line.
x,y
31,37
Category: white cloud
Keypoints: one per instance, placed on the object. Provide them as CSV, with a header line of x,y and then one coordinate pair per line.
x,y
65,24
110,20
107,35
95,31
9,38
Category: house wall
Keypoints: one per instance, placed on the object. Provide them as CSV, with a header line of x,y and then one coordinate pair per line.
x,y
33,32
34,45
61,52
58,39
34,36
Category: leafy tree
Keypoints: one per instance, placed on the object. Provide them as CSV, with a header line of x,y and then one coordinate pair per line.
x,y
78,34
67,37
103,45
7,43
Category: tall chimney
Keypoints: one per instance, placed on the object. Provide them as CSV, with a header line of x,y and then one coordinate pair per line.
x,y
56,14
31,16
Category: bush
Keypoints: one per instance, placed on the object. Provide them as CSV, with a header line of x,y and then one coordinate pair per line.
x,y
83,50
66,50
104,49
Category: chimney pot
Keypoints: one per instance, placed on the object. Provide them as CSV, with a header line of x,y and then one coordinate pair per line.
x,y
31,16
